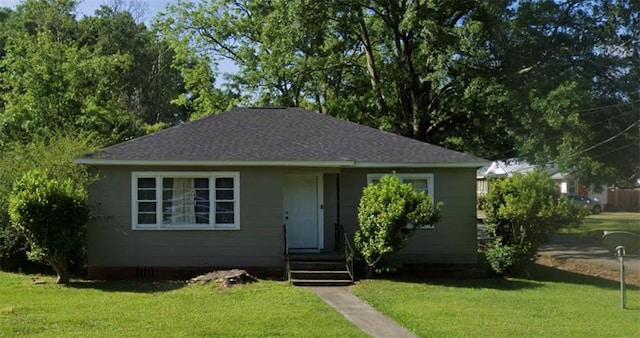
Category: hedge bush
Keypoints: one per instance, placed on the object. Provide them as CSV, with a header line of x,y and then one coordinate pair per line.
x,y
522,212
387,214
52,216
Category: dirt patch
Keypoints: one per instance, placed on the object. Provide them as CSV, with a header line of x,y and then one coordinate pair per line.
x,y
590,269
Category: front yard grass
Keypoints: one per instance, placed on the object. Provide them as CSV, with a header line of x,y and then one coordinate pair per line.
x,y
594,225
155,309
548,303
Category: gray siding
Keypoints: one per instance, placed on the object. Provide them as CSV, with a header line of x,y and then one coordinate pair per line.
x,y
330,210
453,241
259,242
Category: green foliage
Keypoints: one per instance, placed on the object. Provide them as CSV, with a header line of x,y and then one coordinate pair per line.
x,y
387,214
522,212
503,257
105,74
52,216
499,79
51,155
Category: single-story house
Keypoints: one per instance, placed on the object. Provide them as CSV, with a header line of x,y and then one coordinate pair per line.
x,y
219,192
568,183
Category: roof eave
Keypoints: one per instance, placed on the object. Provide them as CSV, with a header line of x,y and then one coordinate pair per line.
x,y
473,164
208,163
335,164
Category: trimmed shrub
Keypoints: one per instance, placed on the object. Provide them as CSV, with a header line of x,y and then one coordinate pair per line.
x,y
52,216
387,214
522,212
52,155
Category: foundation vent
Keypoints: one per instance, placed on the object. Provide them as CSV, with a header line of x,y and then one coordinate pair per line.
x,y
144,273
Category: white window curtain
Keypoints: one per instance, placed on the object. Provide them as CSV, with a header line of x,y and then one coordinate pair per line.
x,y
183,201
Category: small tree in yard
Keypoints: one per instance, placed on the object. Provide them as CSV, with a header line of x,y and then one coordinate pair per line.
x,y
522,212
387,214
52,216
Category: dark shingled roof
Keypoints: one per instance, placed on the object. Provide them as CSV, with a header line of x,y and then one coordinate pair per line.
x,y
277,134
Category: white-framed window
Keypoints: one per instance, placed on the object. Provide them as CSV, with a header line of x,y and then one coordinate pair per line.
x,y
185,200
419,181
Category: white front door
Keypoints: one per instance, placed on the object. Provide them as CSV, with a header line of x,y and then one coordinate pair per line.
x,y
302,211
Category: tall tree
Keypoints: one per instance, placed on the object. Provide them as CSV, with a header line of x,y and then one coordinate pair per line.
x,y
51,83
151,82
497,78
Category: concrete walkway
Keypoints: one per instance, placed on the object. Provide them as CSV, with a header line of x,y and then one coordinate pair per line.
x,y
365,317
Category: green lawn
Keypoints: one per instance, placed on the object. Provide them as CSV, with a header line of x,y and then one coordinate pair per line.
x,y
149,309
549,303
594,225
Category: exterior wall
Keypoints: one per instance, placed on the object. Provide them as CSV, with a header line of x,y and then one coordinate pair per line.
x,y
258,243
330,210
454,239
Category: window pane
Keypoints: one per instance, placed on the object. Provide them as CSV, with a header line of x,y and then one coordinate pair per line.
x,y
202,195
201,183
202,207
146,182
146,206
146,195
167,194
167,182
224,207
224,218
147,218
202,218
224,194
224,182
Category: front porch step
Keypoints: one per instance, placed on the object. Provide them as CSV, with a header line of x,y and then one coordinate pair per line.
x,y
317,265
318,270
314,257
320,274
321,282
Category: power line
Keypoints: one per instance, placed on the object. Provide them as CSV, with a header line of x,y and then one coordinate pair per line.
x,y
596,109
607,140
586,125
614,150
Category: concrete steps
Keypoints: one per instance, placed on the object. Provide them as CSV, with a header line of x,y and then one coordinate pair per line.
x,y
318,270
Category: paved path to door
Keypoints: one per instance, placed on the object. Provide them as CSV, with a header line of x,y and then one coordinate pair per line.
x,y
365,317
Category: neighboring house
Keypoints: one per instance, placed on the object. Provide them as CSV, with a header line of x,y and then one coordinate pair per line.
x,y
218,192
568,183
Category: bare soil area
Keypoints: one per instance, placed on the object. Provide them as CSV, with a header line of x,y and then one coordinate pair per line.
x,y
586,268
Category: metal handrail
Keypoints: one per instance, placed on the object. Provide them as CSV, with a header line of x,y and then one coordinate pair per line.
x,y
286,254
347,250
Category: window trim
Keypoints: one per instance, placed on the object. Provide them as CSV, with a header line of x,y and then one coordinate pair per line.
x,y
159,175
402,176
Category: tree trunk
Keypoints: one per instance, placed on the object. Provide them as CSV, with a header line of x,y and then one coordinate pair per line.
x,y
59,265
371,66
369,272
